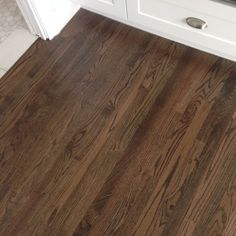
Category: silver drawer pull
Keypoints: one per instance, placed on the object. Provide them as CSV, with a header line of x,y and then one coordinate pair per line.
x,y
196,23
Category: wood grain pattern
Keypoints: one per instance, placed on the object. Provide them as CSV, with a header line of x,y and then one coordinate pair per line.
x,y
108,130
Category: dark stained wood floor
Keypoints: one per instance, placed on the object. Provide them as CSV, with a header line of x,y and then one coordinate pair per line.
x,y
108,130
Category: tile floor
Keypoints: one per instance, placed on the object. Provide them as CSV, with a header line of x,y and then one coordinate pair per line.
x,y
15,37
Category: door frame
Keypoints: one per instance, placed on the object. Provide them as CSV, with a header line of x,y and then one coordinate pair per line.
x,y
45,22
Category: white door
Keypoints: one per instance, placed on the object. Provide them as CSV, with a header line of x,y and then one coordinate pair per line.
x,y
112,8
46,18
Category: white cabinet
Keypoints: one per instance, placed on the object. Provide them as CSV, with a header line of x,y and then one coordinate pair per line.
x,y
113,8
167,18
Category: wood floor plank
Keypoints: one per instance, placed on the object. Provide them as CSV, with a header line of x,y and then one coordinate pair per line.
x,y
225,185
108,130
163,162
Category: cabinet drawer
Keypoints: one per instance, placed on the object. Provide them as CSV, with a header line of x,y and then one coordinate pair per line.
x,y
168,19
217,8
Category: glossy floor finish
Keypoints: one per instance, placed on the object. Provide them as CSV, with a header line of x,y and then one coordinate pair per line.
x,y
108,130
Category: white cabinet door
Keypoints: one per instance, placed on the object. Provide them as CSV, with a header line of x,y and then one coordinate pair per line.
x,y
112,8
